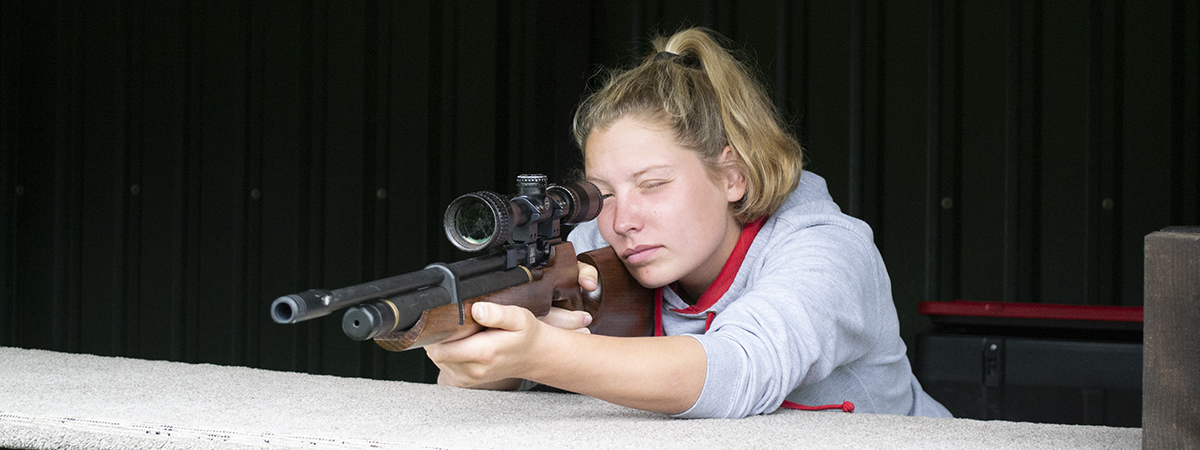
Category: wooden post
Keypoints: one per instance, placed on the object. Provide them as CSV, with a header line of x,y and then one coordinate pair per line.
x,y
1171,365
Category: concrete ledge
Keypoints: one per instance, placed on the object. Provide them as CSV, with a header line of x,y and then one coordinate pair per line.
x,y
61,400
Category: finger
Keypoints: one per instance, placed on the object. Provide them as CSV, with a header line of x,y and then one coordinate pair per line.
x,y
458,364
505,317
442,354
456,377
571,320
588,276
444,379
459,352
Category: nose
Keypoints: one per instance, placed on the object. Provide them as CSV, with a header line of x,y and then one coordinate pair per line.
x,y
625,216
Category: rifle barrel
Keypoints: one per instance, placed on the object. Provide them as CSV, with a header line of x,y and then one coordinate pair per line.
x,y
315,303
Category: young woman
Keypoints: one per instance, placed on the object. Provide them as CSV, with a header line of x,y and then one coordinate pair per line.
x,y
767,295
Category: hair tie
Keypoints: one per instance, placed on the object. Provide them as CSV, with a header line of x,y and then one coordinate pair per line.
x,y
665,55
689,61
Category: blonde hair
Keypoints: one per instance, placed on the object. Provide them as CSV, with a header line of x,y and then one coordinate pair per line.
x,y
709,100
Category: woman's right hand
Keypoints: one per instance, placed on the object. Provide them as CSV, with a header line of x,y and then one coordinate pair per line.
x,y
588,276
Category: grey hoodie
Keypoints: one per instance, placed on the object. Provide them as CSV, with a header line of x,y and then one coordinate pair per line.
x,y
809,319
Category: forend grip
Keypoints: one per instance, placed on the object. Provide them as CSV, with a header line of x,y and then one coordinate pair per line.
x,y
620,307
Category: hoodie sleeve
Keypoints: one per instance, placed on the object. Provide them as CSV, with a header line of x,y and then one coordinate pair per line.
x,y
808,308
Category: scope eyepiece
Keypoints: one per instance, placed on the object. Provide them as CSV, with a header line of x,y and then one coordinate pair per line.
x,y
581,201
483,220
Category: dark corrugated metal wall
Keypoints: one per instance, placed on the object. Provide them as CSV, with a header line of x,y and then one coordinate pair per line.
x,y
170,167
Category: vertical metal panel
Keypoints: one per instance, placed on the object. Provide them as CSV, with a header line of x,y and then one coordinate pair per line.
x,y
312,187
285,96
509,23
799,41
1031,188
1063,153
157,172
563,60
755,27
220,66
982,149
1015,106
783,35
441,104
827,71
898,151
952,177
409,229
613,44
474,62
10,190
67,192
876,145
103,110
127,180
375,163
933,151
856,145
1091,203
34,168
1143,200
1185,159
342,160
252,296
1022,151
185,299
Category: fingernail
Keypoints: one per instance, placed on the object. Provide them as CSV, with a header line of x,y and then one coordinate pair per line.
x,y
587,319
480,311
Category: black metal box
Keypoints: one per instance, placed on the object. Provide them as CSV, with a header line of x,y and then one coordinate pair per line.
x,y
1064,364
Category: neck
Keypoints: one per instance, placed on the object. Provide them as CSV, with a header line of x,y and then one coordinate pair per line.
x,y
694,284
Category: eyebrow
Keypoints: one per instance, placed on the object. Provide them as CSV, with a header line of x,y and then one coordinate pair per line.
x,y
639,173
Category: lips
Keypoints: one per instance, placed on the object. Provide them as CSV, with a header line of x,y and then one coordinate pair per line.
x,y
639,254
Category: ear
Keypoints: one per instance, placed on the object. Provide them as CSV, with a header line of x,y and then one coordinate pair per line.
x,y
735,181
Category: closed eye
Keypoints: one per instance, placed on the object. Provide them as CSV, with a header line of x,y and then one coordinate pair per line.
x,y
651,184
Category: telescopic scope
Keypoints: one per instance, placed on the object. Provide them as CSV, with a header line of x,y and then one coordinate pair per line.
x,y
483,220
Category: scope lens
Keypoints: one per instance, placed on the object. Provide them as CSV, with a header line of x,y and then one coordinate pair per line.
x,y
475,222
478,221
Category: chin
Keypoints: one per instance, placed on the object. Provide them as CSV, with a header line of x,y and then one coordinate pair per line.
x,y
648,280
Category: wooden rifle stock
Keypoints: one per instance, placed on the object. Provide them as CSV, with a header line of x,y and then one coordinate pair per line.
x,y
622,308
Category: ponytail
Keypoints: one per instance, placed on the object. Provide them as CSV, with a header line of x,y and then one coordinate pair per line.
x,y
707,97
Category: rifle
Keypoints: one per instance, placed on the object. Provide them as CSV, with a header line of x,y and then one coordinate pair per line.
x,y
528,265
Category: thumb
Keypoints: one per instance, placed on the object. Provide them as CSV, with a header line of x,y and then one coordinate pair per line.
x,y
491,315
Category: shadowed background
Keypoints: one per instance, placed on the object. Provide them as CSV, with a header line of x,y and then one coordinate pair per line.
x,y
169,168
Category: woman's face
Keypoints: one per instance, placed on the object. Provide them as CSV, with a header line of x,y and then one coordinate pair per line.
x,y
663,214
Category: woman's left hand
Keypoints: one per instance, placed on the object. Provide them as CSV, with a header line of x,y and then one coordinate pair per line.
x,y
496,357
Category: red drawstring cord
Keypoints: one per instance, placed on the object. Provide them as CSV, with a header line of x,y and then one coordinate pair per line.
x,y
845,406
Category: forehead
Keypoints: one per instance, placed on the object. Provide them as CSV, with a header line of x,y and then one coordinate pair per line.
x,y
630,146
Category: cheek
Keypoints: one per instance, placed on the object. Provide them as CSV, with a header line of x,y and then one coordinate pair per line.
x,y
605,223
